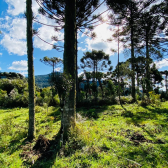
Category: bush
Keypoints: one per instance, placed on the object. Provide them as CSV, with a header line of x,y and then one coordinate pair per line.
x,y
111,88
3,97
154,98
39,99
164,96
124,99
8,85
145,101
56,100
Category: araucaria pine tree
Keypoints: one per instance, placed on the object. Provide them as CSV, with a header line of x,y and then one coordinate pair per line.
x,y
31,80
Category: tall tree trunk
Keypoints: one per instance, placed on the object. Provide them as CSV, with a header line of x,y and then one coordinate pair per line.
x,y
31,79
119,66
77,85
94,71
166,82
69,111
147,65
53,84
132,58
137,81
101,87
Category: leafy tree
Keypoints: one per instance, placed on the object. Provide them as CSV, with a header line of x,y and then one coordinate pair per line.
x,y
122,70
65,14
79,80
166,80
31,80
127,12
58,82
87,87
11,75
149,44
155,74
97,61
111,88
99,76
54,62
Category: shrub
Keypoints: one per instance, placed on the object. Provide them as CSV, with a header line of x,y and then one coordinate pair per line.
x,y
145,101
8,85
56,100
124,99
164,95
38,109
111,88
154,98
3,97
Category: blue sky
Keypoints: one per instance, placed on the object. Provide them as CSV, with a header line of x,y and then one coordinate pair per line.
x,y
13,51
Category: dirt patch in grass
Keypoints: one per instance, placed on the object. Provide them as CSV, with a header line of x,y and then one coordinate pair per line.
x,y
138,138
42,144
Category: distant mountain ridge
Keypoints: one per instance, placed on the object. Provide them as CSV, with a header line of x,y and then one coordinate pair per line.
x,y
42,80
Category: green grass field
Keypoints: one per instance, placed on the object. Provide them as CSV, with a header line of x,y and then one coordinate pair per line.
x,y
105,136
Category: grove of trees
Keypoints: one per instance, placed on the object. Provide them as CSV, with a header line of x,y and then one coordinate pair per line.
x,y
143,34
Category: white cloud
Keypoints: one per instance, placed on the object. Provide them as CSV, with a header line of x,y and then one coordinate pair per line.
x,y
14,36
14,29
81,49
57,69
19,65
164,87
23,73
46,33
0,68
103,32
16,7
81,73
13,45
18,28
161,64
0,53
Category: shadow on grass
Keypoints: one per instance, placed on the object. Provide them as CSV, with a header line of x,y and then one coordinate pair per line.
x,y
56,114
154,156
159,116
48,157
149,114
91,112
15,144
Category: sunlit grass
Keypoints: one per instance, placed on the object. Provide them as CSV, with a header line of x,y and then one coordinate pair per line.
x,y
105,136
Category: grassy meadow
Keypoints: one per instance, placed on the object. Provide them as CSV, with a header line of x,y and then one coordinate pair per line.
x,y
105,137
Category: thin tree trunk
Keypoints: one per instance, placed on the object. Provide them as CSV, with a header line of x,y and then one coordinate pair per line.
x,y
118,65
137,80
132,59
166,83
147,65
69,111
77,85
101,87
94,70
31,79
